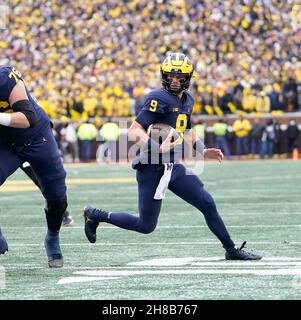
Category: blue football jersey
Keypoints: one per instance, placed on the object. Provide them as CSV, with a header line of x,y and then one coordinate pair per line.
x,y
9,76
160,106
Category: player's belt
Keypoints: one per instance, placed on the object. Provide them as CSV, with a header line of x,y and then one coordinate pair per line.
x,y
164,182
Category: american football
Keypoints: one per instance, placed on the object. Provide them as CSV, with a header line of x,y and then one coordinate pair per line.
x,y
160,131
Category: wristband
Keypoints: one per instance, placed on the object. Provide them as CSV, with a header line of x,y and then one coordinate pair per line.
x,y
5,119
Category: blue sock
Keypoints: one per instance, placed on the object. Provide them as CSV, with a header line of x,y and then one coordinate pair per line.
x,y
228,244
52,243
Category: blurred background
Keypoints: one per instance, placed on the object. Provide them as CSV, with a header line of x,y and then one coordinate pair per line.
x,y
90,64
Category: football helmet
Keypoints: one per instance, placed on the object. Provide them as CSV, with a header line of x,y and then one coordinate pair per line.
x,y
178,65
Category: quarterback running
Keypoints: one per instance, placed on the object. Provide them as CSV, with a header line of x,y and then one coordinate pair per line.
x,y
157,167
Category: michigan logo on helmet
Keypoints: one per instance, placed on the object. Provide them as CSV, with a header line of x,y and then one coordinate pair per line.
x,y
178,65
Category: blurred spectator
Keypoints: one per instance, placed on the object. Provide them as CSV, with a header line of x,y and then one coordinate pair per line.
x,y
242,128
220,130
276,98
290,95
226,101
71,138
86,133
109,133
277,141
263,102
58,126
292,134
267,140
256,135
63,145
200,130
249,100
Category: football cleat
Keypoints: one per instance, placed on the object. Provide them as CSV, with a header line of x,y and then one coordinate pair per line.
x,y
90,224
55,261
67,219
3,244
240,254
53,250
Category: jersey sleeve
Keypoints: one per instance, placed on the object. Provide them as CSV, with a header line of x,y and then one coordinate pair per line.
x,y
9,77
146,118
154,104
152,108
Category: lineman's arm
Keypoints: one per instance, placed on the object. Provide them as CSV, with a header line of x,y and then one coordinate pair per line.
x,y
24,115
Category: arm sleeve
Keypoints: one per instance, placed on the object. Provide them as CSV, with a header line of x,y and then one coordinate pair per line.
x,y
25,107
146,118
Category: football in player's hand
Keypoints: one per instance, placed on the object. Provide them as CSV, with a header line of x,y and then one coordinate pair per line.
x,y
160,131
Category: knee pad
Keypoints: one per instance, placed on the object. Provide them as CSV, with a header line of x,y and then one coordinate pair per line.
x,y
56,207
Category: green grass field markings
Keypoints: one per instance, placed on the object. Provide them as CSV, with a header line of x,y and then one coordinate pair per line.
x,y
278,266
212,260
69,280
239,199
73,227
179,243
189,262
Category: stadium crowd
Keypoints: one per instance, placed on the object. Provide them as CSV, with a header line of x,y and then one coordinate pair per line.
x,y
94,58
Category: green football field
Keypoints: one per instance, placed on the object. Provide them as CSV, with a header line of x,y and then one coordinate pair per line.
x,y
259,201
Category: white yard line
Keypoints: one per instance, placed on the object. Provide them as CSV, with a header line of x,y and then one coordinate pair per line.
x,y
84,244
102,275
174,227
121,273
283,266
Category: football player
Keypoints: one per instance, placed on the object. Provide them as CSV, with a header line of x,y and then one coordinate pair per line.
x,y
171,105
27,169
26,135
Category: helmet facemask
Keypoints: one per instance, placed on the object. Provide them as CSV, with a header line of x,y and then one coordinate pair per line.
x,y
167,81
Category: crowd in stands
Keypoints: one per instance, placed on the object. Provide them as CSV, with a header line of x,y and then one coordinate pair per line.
x,y
94,58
